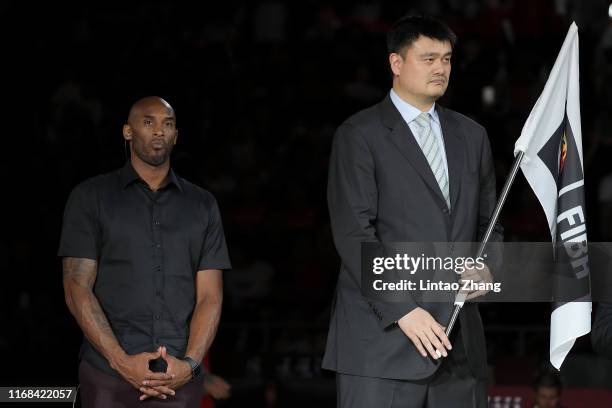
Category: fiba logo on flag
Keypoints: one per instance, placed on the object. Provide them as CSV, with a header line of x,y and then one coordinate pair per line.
x,y
561,157
574,239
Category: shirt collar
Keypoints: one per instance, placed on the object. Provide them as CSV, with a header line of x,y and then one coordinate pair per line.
x,y
128,175
172,178
409,112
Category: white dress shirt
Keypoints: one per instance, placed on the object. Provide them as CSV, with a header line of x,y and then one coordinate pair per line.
x,y
410,113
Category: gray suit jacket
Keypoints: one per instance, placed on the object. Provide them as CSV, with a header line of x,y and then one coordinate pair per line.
x,y
382,189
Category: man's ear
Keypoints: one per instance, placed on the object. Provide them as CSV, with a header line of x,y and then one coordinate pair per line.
x,y
127,132
175,136
395,63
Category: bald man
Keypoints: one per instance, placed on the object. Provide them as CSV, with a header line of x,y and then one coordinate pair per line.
x,y
143,252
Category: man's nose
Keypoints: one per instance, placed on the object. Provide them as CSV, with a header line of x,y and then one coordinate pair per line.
x,y
438,67
158,130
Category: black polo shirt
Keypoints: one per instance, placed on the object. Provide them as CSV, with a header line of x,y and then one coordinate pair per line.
x,y
149,247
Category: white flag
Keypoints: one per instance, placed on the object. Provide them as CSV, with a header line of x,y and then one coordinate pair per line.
x,y
552,144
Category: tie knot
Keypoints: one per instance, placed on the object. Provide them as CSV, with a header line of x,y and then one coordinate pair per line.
x,y
423,120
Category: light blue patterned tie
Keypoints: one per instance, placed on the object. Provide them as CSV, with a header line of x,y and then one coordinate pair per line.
x,y
431,150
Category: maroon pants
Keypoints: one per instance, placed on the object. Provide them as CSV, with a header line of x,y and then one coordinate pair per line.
x,y
100,390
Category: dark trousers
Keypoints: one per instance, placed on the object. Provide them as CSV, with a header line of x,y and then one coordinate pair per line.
x,y
101,390
451,386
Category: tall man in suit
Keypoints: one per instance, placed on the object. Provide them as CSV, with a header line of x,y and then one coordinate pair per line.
x,y
408,170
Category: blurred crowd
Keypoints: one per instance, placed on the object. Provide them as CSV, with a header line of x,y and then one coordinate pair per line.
x,y
259,88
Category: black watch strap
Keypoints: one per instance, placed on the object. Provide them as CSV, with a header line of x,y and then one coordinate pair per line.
x,y
195,366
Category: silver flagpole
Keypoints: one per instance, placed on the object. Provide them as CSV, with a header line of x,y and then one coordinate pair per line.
x,y
460,297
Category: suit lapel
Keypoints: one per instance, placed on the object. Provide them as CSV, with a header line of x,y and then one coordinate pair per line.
x,y
401,136
454,146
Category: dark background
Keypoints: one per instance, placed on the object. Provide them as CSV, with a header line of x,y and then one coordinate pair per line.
x,y
259,88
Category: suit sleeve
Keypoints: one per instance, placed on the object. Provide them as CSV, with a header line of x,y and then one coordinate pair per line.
x,y
601,335
352,196
488,200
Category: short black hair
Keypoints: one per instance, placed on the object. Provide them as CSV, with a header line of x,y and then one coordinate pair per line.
x,y
409,28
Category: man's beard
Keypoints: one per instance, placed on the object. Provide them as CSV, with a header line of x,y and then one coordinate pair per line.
x,y
156,158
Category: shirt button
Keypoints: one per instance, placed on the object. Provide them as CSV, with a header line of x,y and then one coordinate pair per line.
x,y
157,317
158,246
158,292
156,222
159,268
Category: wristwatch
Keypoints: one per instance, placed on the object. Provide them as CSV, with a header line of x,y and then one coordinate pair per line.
x,y
195,366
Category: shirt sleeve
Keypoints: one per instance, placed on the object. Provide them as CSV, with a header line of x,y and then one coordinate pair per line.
x,y
80,233
214,250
